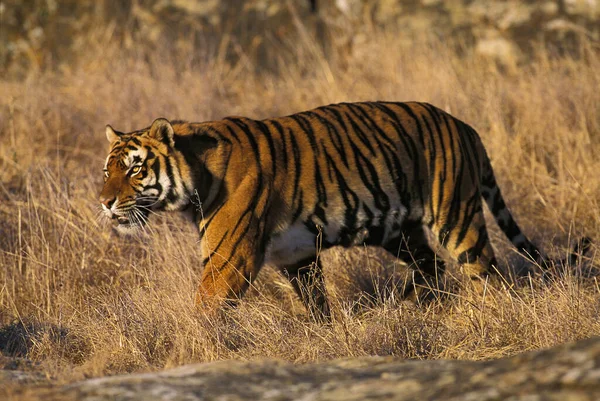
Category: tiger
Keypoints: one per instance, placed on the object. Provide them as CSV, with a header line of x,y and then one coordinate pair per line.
x,y
279,190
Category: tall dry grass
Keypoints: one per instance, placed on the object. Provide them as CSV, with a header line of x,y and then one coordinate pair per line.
x,y
82,302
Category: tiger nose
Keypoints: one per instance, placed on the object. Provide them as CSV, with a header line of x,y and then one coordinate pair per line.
x,y
108,201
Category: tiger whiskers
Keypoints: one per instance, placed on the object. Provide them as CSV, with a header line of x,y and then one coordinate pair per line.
x,y
152,198
99,215
147,209
140,220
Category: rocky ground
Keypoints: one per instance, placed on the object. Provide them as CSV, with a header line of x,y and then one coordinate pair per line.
x,y
567,372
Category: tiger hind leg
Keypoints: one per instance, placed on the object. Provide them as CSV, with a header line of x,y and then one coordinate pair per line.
x,y
466,239
413,248
306,276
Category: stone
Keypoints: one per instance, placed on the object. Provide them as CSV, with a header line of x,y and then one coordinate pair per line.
x,y
566,372
498,48
21,377
584,8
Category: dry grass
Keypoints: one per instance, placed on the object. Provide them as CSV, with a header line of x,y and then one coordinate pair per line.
x,y
82,302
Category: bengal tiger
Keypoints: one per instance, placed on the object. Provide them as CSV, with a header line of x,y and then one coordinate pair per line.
x,y
275,190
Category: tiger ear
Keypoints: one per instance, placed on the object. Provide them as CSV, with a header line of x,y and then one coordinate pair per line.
x,y
111,134
162,130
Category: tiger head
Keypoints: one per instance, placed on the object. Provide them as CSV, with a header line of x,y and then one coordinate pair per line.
x,y
140,176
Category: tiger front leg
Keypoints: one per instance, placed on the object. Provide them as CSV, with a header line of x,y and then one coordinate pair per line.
x,y
232,258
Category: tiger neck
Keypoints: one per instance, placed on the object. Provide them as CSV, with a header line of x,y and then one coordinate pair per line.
x,y
179,195
203,163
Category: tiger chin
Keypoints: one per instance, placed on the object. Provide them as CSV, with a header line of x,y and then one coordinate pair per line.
x,y
385,174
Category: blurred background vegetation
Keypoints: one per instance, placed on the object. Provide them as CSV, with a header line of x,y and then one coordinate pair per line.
x,y
36,35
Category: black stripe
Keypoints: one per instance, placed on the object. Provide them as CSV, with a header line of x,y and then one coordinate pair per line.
x,y
297,167
370,178
171,196
410,149
351,200
282,135
440,176
431,161
472,254
306,127
255,197
387,150
215,249
472,208
403,136
299,208
334,136
267,134
357,130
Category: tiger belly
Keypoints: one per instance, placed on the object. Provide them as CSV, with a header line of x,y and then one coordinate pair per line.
x,y
292,245
301,240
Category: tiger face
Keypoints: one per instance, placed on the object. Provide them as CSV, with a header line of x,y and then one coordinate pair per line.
x,y
134,184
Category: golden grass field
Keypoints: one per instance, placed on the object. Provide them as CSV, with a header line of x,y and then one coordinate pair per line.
x,y
80,302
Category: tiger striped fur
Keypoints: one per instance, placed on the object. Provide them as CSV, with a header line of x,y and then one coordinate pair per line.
x,y
375,173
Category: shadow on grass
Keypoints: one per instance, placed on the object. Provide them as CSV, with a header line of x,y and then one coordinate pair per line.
x,y
28,339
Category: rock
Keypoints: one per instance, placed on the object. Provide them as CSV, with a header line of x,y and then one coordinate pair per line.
x,y
21,377
584,8
548,8
498,48
567,372
563,25
429,3
18,373
504,15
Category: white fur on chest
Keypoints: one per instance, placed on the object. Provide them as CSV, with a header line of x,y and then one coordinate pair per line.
x,y
291,246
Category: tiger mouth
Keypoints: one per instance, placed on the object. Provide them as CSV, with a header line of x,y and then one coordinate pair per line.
x,y
123,221
120,221
133,218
